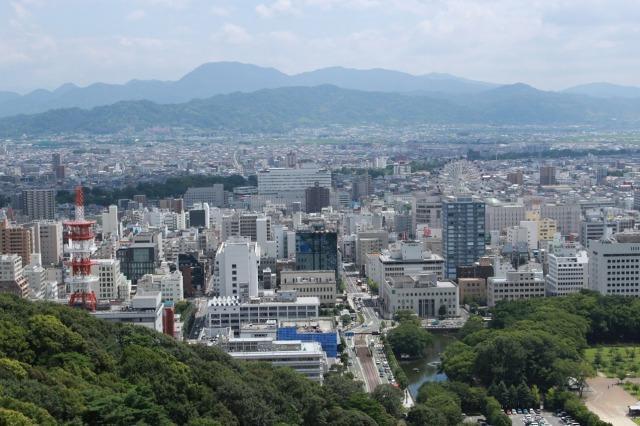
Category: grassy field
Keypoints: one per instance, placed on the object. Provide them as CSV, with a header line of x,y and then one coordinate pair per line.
x,y
615,360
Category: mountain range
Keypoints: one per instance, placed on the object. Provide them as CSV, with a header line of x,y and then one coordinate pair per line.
x,y
228,77
235,96
281,109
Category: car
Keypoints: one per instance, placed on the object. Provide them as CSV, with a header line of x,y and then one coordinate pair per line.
x,y
381,374
537,410
519,411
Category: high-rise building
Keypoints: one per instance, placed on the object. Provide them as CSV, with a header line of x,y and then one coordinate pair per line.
x,y
548,175
110,222
316,198
16,240
57,167
50,242
501,215
601,175
463,232
12,279
316,250
614,264
403,258
39,204
361,187
278,180
236,268
427,210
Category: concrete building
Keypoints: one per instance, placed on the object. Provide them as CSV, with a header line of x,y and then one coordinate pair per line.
x,y
307,358
145,309
548,175
110,222
281,180
369,242
567,216
230,312
463,232
423,294
501,215
212,195
316,198
12,279
112,284
427,210
524,283
236,266
568,270
526,233
614,264
50,242
515,178
38,204
403,258
168,283
472,290
320,284
16,240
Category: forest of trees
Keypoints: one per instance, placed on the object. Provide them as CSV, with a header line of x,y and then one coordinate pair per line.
x,y
172,187
534,346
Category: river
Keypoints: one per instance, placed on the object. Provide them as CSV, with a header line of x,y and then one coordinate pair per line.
x,y
428,366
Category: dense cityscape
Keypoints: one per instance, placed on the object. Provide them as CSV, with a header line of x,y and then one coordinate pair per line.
x,y
319,212
332,253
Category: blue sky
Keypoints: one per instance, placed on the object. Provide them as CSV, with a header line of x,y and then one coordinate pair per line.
x,y
550,44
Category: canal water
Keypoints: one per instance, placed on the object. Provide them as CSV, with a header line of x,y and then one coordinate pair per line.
x,y
426,369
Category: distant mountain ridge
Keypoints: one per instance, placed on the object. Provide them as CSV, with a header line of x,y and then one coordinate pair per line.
x,y
281,109
228,77
605,90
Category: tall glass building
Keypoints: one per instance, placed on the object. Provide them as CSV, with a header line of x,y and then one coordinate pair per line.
x,y
463,232
316,250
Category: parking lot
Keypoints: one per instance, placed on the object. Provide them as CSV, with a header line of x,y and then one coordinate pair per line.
x,y
549,419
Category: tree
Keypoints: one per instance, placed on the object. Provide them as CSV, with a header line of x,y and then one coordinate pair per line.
x,y
346,319
442,311
391,399
406,315
421,415
474,323
621,375
409,339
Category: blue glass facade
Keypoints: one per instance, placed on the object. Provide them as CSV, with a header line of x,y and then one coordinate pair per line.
x,y
328,340
463,233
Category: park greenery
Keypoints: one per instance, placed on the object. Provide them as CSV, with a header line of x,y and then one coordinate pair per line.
x,y
59,365
536,348
615,361
408,338
171,187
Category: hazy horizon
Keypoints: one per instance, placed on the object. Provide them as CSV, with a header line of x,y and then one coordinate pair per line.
x,y
550,45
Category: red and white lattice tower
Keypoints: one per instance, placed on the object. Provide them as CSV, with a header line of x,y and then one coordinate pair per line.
x,y
81,246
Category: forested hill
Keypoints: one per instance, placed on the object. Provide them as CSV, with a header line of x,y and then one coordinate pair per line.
x,y
274,110
60,366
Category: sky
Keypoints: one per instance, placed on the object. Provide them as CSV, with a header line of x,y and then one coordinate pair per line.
x,y
551,44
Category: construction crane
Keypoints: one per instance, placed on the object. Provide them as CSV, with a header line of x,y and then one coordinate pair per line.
x,y
81,246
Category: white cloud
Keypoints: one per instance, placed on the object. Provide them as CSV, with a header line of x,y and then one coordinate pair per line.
x,y
233,34
219,11
136,15
276,8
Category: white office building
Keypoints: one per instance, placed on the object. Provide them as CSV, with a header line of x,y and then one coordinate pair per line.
x,y
112,284
422,293
12,278
614,264
501,215
235,271
278,180
568,270
50,242
145,309
524,283
231,312
169,283
110,222
403,258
